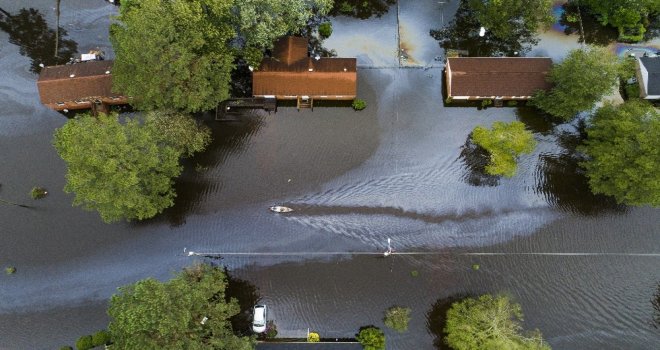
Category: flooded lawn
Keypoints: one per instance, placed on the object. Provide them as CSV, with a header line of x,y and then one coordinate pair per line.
x,y
400,169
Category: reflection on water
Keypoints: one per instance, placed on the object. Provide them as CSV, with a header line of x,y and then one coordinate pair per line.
x,y
247,296
436,319
536,121
361,9
28,29
462,33
655,301
594,32
475,159
571,193
194,184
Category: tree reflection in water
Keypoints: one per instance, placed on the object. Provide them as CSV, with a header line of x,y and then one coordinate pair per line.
x,y
361,9
28,29
594,32
563,182
462,33
655,301
436,319
247,296
475,159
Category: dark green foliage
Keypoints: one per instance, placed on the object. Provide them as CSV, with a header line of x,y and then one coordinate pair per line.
x,y
101,337
397,318
167,315
126,170
623,157
66,347
325,29
371,338
489,323
173,54
359,104
38,192
630,17
598,69
84,343
504,142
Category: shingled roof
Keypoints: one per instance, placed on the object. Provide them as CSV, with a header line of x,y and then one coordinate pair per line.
x,y
72,82
473,77
290,72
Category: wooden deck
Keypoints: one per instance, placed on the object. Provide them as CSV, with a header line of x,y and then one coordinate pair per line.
x,y
235,105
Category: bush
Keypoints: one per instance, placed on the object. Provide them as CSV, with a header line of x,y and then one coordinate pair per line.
x,y
486,103
313,337
271,330
371,338
504,142
38,192
359,104
512,103
10,270
101,337
325,29
632,91
397,318
84,342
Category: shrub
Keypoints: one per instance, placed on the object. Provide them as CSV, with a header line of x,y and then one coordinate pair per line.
x,y
84,342
346,8
10,270
512,103
359,104
632,91
397,318
38,192
325,29
313,337
101,337
271,330
486,103
504,142
371,338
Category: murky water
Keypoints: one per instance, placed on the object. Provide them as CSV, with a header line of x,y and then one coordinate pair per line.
x,y
400,169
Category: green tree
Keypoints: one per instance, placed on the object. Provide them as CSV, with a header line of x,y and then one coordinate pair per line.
x,y
623,157
504,142
489,323
125,170
173,54
397,318
188,312
371,338
575,92
100,338
505,17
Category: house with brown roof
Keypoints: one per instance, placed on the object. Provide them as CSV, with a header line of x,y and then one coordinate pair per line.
x,y
78,86
496,78
290,74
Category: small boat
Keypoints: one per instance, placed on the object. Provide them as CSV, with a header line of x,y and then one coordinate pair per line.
x,y
280,209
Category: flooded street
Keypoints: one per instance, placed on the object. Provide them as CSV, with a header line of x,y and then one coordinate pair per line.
x,y
400,169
